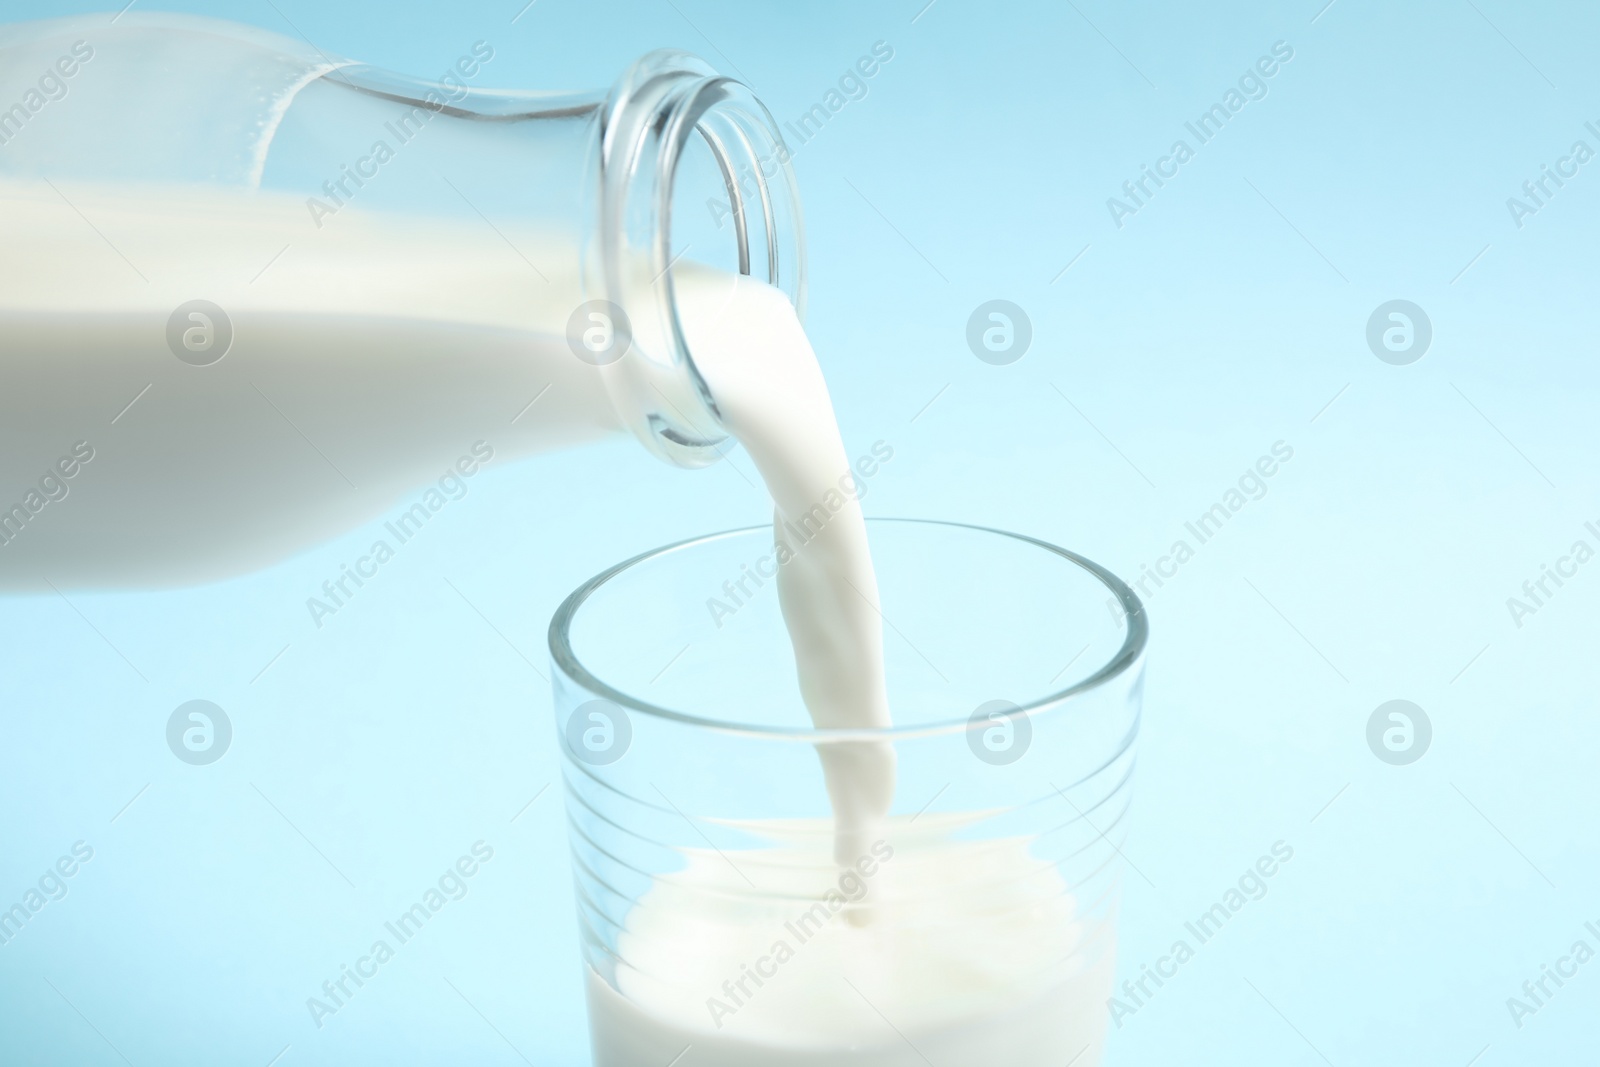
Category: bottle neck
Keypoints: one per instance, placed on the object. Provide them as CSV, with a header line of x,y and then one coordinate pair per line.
x,y
666,108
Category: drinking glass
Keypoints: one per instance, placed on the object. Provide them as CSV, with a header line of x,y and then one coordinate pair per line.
x,y
700,826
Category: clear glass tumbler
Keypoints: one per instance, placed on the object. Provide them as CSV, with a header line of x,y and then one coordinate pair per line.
x,y
717,926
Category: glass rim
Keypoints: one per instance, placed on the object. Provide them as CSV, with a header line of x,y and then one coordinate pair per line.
x,y
1120,663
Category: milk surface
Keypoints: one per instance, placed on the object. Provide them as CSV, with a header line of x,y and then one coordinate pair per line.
x,y
974,955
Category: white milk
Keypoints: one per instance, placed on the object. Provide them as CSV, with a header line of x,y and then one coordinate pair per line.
x,y
367,359
973,956
754,355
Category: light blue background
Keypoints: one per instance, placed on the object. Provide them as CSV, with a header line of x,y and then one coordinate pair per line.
x,y
1228,314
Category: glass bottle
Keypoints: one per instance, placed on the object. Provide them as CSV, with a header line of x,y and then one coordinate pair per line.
x,y
252,294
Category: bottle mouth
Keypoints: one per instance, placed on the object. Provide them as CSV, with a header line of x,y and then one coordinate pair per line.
x,y
671,115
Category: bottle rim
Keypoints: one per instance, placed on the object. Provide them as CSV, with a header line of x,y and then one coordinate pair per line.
x,y
654,114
